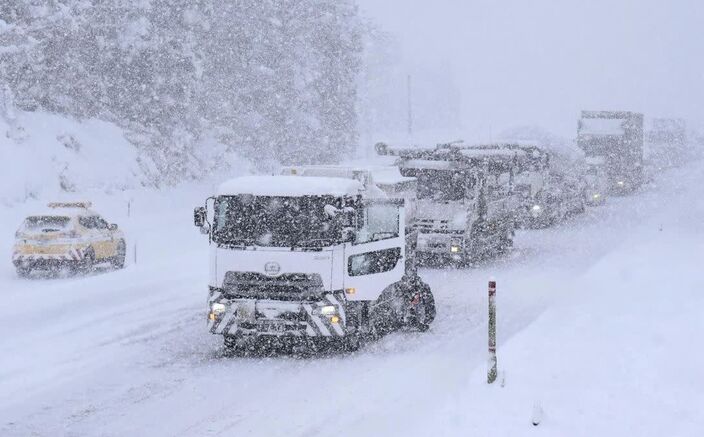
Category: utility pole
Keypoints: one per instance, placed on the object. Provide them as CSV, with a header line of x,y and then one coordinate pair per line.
x,y
410,106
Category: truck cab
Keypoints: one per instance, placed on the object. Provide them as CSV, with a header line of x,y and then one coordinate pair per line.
x,y
308,261
466,205
614,139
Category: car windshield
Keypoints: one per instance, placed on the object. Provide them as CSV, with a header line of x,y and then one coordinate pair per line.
x,y
275,221
443,185
45,224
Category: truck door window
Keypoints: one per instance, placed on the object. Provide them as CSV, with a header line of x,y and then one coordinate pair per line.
x,y
379,222
379,261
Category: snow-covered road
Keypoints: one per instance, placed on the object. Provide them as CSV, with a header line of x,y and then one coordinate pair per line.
x,y
126,352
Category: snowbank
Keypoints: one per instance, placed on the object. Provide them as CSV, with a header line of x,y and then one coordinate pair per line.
x,y
46,154
620,354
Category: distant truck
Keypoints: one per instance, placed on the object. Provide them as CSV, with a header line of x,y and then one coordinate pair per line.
x,y
550,189
612,142
467,205
666,143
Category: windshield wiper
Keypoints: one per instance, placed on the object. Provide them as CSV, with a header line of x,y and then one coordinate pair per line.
x,y
239,241
320,243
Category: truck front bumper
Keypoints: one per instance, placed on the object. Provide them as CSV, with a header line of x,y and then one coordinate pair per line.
x,y
260,317
440,244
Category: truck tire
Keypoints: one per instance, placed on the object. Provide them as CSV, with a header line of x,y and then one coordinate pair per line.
x,y
422,313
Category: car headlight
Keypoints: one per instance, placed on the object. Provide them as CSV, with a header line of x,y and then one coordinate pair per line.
x,y
218,308
328,310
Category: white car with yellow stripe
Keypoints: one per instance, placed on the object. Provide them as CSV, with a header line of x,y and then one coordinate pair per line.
x,y
67,235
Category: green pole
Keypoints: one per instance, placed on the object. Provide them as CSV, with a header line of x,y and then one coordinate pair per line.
x,y
491,374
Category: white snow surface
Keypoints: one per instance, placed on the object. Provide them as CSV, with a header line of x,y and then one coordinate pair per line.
x,y
40,151
290,186
599,322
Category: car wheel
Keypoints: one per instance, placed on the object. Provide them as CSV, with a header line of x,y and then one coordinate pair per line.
x,y
86,265
23,272
118,262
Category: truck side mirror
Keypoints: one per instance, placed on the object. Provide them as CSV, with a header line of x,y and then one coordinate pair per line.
x,y
199,216
348,235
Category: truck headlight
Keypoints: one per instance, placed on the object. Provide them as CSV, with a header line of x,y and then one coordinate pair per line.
x,y
218,308
455,249
328,310
620,183
596,196
536,208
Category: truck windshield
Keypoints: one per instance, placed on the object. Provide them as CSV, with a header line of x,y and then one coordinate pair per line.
x,y
443,185
275,221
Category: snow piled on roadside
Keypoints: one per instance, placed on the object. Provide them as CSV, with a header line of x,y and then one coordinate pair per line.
x,y
48,156
620,354
45,154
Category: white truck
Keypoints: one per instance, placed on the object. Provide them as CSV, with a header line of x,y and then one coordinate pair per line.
x,y
308,262
467,205
551,186
612,142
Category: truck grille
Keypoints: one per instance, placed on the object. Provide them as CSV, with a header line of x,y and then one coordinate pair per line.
x,y
430,225
289,286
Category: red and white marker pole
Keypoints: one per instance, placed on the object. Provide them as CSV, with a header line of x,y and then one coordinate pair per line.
x,y
492,371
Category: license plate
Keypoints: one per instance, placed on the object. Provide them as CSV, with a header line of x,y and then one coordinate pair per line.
x,y
271,326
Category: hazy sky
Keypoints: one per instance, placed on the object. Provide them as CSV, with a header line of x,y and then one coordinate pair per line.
x,y
539,62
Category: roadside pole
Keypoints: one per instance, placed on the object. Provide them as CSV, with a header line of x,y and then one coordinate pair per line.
x,y
134,238
492,372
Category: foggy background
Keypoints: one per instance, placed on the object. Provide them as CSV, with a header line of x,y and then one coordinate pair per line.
x,y
538,63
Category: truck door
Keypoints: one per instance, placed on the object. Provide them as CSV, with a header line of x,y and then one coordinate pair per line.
x,y
376,258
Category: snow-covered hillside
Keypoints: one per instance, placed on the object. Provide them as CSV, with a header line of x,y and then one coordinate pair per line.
x,y
43,154
48,156
598,320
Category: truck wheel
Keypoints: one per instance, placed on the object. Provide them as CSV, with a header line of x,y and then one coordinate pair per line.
x,y
422,310
118,262
506,243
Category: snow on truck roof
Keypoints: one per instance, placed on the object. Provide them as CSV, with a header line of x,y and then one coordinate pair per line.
x,y
602,126
290,186
491,153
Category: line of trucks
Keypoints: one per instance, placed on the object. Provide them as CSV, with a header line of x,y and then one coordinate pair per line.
x,y
328,255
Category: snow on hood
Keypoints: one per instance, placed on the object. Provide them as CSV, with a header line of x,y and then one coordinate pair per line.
x,y
291,186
